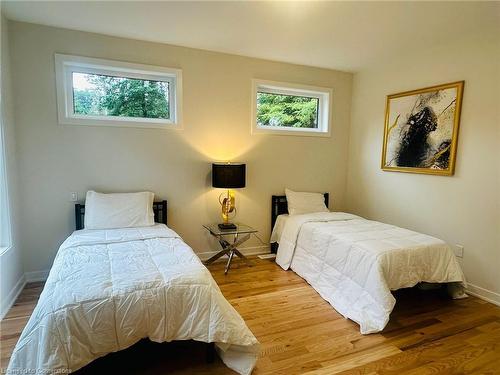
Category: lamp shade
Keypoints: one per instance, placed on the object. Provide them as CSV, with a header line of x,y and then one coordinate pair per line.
x,y
228,176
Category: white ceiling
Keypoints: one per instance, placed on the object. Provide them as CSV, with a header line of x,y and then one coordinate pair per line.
x,y
339,35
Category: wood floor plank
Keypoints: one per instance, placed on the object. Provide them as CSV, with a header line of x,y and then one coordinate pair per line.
x,y
357,359
301,333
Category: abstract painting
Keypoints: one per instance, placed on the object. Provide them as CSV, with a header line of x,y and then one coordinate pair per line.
x,y
421,130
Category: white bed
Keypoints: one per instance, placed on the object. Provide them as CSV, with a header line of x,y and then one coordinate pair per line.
x,y
108,289
354,263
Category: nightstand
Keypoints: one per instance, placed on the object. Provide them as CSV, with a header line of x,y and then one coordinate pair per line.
x,y
241,234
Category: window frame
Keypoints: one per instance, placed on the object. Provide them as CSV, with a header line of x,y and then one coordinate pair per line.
x,y
5,218
66,65
324,94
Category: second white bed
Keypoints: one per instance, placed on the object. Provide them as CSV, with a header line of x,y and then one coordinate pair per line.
x,y
354,263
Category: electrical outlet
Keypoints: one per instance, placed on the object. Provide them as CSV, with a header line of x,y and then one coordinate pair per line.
x,y
73,196
459,251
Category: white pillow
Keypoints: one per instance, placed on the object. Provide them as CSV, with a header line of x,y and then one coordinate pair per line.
x,y
118,210
305,203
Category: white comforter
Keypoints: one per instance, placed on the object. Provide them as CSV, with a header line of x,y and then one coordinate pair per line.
x,y
108,289
354,263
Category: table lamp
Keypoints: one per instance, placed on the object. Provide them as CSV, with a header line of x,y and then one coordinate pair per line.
x,y
228,176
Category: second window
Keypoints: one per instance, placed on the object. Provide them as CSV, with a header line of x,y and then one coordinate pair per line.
x,y
289,108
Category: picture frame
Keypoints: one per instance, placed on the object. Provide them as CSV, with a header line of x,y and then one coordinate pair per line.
x,y
421,130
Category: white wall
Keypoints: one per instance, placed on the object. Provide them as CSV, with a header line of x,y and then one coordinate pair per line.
x,y
11,269
55,160
462,209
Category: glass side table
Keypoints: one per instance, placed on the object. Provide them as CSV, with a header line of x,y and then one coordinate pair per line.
x,y
241,234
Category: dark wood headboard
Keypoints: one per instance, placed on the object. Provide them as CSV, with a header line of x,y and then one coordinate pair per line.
x,y
159,209
279,206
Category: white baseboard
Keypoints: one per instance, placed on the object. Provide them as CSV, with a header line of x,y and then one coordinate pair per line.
x,y
8,301
34,276
484,294
253,250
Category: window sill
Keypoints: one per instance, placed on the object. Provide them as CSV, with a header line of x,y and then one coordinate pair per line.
x,y
75,121
293,132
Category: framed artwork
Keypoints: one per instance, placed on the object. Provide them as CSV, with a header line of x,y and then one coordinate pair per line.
x,y
421,130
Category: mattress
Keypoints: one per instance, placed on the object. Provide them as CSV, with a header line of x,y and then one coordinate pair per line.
x,y
354,263
108,289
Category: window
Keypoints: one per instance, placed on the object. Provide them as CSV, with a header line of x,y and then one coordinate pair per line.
x,y
5,236
283,108
111,93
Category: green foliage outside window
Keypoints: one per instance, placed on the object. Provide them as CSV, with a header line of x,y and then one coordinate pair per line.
x,y
125,97
287,110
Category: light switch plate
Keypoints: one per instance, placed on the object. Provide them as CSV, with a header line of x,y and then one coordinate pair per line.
x,y
459,251
73,196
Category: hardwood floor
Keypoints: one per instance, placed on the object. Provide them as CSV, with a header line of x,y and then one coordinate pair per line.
x,y
300,333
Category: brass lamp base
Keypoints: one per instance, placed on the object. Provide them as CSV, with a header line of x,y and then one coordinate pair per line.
x,y
227,205
226,226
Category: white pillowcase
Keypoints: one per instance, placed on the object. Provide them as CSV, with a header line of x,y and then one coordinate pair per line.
x,y
305,203
118,210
